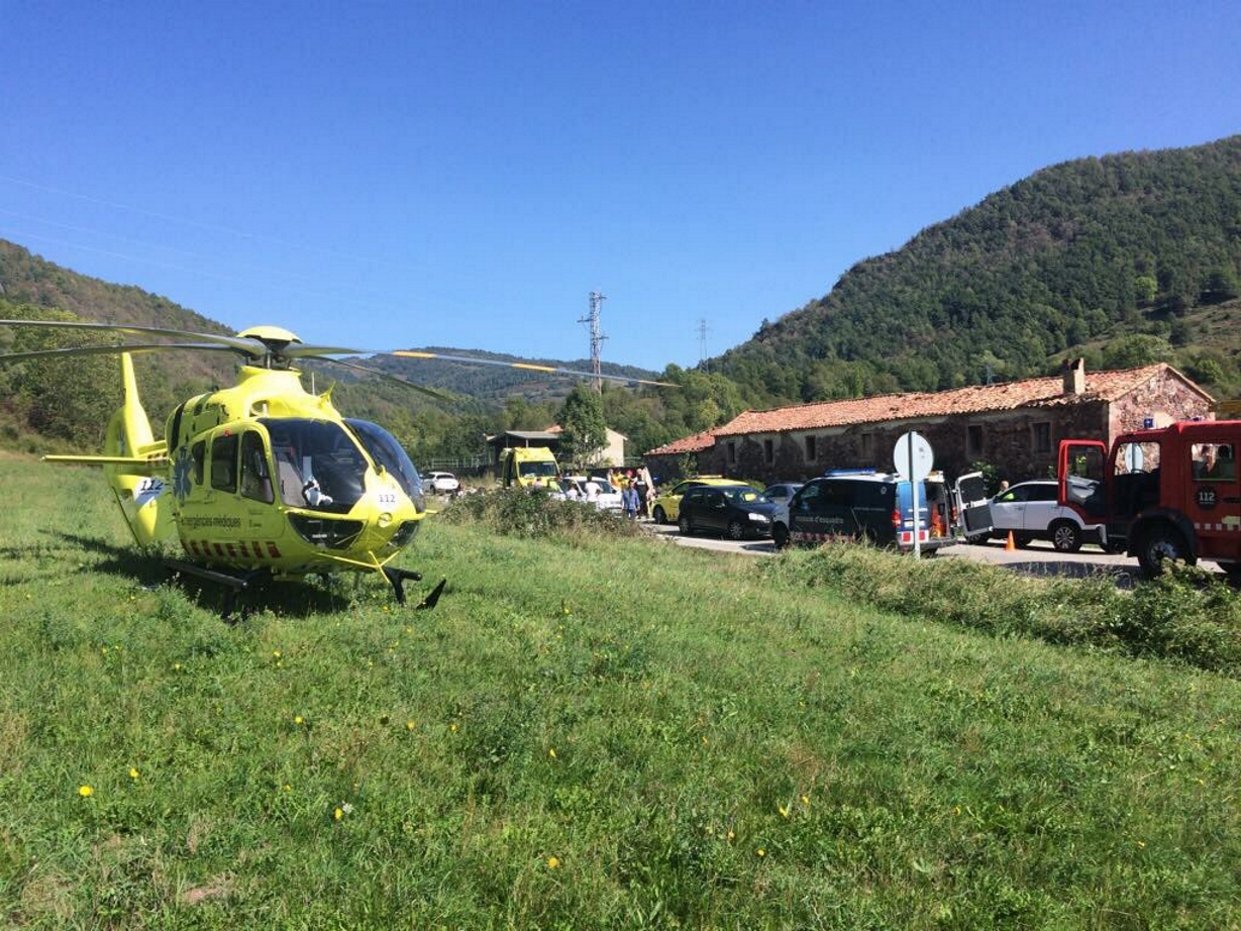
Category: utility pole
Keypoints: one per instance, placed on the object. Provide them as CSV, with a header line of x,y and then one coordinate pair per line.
x,y
596,337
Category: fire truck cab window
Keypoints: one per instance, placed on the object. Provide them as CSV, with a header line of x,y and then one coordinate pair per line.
x,y
1213,462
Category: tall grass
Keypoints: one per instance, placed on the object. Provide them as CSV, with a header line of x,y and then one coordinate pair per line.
x,y
1186,615
607,733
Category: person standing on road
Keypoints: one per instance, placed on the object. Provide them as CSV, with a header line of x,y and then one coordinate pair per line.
x,y
629,501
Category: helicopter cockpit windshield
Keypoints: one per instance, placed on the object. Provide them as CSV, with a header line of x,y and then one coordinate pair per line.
x,y
388,453
318,464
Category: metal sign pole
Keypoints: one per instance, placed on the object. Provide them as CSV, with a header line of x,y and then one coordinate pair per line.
x,y
913,493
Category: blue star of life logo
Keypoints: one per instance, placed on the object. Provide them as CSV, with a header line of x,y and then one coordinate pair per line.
x,y
181,472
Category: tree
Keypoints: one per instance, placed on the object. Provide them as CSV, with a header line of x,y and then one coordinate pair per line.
x,y
584,429
1135,350
1221,285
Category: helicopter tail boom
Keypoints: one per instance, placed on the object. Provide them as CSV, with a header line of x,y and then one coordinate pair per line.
x,y
136,465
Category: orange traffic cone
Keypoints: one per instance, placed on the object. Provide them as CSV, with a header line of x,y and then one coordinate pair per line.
x,y
1010,543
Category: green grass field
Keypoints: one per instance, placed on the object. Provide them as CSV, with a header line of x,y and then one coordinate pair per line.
x,y
585,733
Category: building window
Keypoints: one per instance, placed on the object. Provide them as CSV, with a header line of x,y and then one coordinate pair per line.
x,y
732,452
811,452
973,441
1042,437
769,452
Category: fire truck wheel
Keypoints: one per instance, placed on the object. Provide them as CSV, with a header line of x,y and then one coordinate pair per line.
x,y
1065,536
1161,543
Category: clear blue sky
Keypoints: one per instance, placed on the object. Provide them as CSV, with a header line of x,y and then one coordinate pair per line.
x,y
396,174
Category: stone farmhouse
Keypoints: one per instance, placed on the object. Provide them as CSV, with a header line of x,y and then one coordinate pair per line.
x,y
1015,427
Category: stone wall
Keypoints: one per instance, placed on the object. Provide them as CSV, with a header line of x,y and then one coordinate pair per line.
x,y
1162,401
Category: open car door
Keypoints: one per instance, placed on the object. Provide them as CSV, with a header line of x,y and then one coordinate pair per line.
x,y
1081,472
969,494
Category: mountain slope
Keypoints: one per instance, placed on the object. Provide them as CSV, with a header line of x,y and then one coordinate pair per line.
x,y
1073,256
51,401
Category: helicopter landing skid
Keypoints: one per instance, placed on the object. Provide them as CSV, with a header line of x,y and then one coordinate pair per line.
x,y
398,577
233,584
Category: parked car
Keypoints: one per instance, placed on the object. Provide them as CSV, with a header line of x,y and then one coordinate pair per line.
x,y
441,483
667,503
736,511
603,495
1031,511
862,504
781,492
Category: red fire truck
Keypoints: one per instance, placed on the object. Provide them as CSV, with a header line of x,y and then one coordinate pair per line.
x,y
1161,494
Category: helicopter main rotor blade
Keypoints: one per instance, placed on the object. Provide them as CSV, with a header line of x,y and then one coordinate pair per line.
x,y
251,347
422,389
112,350
526,366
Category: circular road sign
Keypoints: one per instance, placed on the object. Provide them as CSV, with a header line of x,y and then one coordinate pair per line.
x,y
913,454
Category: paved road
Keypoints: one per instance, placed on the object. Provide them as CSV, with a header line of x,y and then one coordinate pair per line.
x,y
1039,558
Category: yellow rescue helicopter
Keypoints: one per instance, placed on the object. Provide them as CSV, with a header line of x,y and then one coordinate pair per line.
x,y
263,479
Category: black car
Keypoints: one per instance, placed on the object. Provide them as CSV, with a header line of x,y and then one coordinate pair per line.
x,y
735,511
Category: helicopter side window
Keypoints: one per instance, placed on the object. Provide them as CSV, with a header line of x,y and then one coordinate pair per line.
x,y
255,476
224,463
198,452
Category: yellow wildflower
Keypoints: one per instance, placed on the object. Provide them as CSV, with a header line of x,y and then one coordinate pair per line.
x,y
552,863
85,791
133,772
338,814
298,720
551,751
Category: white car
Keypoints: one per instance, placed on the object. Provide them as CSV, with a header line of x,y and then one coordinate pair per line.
x,y
1031,511
603,496
781,492
441,483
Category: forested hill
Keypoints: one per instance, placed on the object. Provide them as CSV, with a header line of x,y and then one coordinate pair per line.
x,y
1122,259
46,404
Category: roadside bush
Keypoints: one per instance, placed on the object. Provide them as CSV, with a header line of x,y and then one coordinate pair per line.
x,y
1187,614
522,513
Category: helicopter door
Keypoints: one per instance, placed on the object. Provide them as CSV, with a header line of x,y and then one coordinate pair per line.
x,y
261,520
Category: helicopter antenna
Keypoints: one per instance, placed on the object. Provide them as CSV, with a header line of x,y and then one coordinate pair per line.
x,y
596,337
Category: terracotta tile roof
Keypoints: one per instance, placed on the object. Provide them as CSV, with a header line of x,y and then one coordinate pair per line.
x,y
1032,392
688,444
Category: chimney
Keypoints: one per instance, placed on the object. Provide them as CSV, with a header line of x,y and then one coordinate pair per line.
x,y
1075,376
